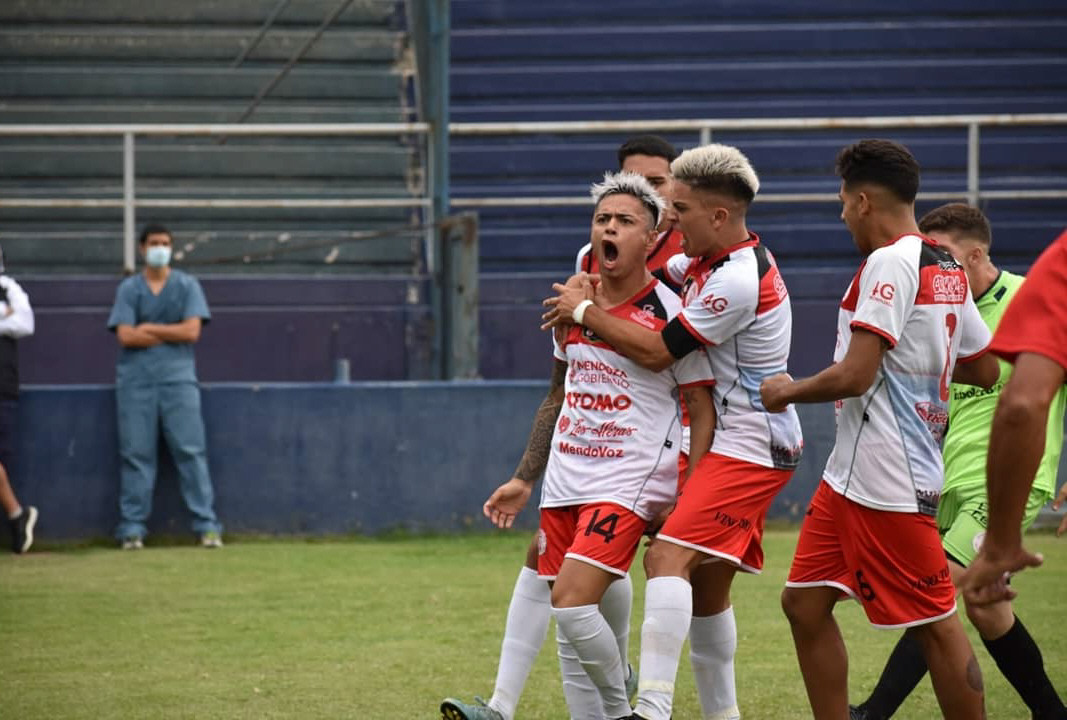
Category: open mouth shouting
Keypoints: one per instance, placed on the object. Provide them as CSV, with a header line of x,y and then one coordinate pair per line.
x,y
610,252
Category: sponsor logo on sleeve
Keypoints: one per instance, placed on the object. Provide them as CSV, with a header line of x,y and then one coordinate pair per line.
x,y
884,293
715,304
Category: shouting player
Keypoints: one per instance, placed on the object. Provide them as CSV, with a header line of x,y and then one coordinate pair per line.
x,y
529,610
907,324
737,314
613,464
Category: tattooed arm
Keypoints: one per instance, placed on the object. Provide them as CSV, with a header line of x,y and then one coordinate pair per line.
x,y
511,497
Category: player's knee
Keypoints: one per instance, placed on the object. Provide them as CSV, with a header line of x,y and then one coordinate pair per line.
x,y
990,620
666,559
797,607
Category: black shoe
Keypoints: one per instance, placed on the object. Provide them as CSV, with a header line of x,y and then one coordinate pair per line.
x,y
856,712
22,530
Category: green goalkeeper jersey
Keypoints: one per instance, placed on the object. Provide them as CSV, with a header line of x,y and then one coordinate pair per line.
x,y
970,409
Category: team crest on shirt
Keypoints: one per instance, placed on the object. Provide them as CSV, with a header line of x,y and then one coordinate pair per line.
x,y
934,416
645,316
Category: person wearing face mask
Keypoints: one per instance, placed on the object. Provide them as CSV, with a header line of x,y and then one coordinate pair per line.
x,y
157,317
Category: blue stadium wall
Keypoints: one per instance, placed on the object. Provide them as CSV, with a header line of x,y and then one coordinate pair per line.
x,y
317,459
355,458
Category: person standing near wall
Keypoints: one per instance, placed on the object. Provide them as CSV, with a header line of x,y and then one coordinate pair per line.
x,y
157,317
16,321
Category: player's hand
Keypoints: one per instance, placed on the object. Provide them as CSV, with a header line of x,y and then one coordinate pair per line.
x,y
772,392
657,522
506,502
1056,505
985,581
561,307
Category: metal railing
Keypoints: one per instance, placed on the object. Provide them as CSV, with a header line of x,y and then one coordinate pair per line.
x,y
704,128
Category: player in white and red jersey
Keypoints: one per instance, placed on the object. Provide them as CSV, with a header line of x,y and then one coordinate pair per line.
x,y
907,326
529,608
614,454
737,314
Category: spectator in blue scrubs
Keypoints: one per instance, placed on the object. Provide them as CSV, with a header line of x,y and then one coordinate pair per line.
x,y
157,318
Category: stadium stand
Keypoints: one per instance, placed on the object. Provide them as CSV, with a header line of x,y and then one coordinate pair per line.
x,y
127,61
516,61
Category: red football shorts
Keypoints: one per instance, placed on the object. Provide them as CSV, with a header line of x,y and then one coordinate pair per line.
x,y
892,562
602,534
722,508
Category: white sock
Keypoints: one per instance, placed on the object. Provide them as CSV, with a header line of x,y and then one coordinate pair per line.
x,y
15,514
668,609
524,634
582,696
712,644
594,642
615,606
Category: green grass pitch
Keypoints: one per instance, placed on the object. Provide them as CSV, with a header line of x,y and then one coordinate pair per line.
x,y
377,628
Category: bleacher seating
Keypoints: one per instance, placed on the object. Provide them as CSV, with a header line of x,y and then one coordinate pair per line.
x,y
693,59
115,61
131,61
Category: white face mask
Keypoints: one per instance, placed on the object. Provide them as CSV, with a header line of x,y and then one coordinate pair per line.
x,y
157,256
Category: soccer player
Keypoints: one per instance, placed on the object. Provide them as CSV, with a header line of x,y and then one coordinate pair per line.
x,y
613,464
737,314
649,156
529,610
961,514
906,324
1032,336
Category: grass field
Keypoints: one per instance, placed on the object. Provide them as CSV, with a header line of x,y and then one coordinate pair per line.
x,y
375,628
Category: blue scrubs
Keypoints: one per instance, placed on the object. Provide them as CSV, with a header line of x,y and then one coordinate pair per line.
x,y
156,389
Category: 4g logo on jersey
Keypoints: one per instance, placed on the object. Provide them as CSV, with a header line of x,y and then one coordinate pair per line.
x,y
884,292
714,303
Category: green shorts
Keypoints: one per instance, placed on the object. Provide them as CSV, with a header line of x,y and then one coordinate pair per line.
x,y
962,519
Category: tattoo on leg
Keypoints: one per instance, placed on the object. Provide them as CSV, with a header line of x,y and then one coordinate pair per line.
x,y
974,675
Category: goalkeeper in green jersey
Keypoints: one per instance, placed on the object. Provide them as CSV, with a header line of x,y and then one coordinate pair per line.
x,y
961,515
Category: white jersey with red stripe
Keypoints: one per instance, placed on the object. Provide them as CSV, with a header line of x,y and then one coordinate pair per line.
x,y
888,448
737,307
619,431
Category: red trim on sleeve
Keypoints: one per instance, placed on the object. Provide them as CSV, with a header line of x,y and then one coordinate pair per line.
x,y
876,330
692,330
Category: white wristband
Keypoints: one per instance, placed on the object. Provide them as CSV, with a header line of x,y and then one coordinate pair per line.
x,y
579,310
